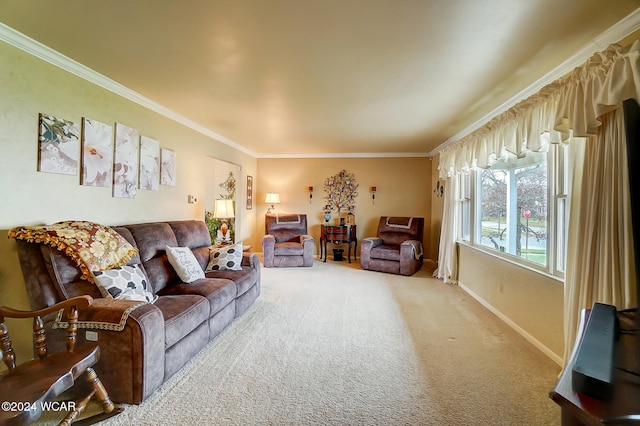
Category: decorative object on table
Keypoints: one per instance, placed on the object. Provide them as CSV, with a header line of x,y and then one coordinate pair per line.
x,y
149,163
327,214
272,198
97,153
59,145
214,222
341,190
310,189
167,167
125,162
223,210
350,219
249,192
373,190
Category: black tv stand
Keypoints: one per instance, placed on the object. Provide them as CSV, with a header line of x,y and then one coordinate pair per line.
x,y
580,409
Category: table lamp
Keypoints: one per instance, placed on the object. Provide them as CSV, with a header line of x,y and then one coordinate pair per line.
x,y
272,198
223,209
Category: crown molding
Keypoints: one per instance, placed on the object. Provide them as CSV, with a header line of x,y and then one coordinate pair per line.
x,y
45,53
349,155
614,34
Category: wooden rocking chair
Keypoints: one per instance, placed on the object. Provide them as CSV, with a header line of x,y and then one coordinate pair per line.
x,y
31,388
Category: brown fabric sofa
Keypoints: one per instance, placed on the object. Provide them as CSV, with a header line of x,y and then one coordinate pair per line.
x,y
397,249
286,242
143,344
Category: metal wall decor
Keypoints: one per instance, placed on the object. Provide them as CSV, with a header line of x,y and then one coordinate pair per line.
x,y
341,190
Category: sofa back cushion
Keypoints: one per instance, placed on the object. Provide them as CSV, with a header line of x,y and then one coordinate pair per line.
x,y
394,230
286,227
195,235
152,240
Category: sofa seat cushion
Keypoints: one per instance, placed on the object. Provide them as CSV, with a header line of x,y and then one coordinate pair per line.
x,y
182,314
244,278
288,249
386,252
219,292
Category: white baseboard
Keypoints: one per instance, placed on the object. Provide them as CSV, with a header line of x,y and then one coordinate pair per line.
x,y
535,342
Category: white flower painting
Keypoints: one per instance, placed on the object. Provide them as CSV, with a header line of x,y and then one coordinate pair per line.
x,y
125,166
59,145
149,163
168,170
97,153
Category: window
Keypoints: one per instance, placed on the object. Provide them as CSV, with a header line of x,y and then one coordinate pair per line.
x,y
519,209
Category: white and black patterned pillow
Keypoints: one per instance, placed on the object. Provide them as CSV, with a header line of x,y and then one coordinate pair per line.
x,y
124,282
185,263
227,258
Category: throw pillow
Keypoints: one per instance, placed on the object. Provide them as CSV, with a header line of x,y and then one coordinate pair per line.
x,y
225,258
185,263
124,282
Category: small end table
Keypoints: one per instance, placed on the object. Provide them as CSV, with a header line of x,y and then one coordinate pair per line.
x,y
345,234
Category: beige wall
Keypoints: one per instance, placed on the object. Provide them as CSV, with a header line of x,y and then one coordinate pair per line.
x,y
403,189
29,86
530,302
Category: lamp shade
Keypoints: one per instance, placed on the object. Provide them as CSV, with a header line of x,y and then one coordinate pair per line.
x,y
272,198
223,209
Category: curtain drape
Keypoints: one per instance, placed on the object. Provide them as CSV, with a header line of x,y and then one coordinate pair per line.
x,y
600,263
447,254
573,106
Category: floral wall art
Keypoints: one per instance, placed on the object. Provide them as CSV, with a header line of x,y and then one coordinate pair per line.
x,y
125,166
59,145
97,153
119,157
149,163
168,169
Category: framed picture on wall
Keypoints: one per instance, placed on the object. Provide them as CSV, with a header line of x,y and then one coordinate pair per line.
x,y
249,192
59,145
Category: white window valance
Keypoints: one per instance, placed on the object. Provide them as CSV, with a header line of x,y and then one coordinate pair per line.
x,y
570,106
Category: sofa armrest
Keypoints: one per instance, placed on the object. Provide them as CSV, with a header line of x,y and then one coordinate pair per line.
x,y
131,364
268,247
253,260
308,249
366,246
411,257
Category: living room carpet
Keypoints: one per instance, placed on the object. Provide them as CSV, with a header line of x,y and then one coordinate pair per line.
x,y
337,345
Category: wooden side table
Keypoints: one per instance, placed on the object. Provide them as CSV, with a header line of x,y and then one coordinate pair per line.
x,y
338,235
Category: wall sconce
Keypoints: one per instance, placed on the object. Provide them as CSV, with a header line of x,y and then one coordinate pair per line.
x,y
310,189
439,189
373,190
272,198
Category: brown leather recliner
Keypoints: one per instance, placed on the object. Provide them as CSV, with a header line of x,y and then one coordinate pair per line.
x,y
397,249
286,242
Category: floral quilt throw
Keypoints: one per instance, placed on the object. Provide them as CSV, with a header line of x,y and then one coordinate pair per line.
x,y
93,247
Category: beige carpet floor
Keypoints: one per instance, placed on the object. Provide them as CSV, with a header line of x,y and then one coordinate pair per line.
x,y
337,345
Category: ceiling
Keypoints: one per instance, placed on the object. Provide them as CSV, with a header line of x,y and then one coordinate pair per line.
x,y
322,77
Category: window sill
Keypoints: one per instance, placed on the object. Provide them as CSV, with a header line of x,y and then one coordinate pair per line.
x,y
509,259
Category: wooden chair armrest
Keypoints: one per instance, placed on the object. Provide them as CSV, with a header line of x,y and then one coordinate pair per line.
x,y
80,302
